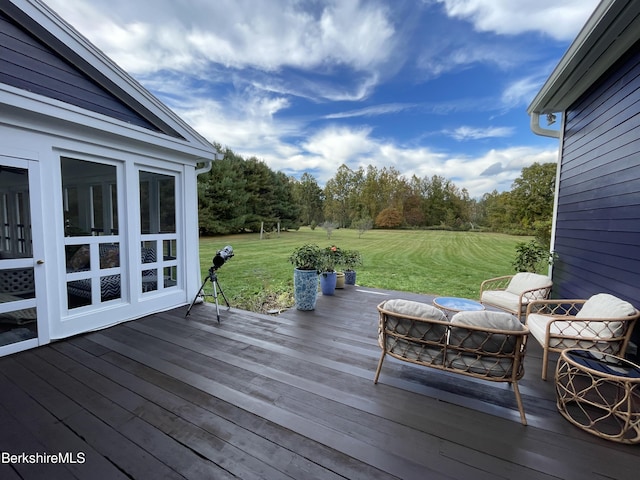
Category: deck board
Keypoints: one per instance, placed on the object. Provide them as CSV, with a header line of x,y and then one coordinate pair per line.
x,y
274,397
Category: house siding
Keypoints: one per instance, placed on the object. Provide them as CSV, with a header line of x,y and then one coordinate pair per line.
x,y
28,64
597,237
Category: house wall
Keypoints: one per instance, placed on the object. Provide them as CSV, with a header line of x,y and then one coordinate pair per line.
x,y
597,235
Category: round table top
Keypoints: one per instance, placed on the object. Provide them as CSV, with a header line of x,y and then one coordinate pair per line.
x,y
457,304
602,363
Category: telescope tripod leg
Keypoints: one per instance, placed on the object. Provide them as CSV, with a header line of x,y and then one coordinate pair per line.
x,y
217,286
196,297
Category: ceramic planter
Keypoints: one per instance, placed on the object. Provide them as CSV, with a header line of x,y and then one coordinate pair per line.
x,y
350,277
328,282
305,288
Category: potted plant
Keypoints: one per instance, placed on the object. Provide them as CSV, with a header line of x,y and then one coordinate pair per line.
x,y
306,261
331,257
350,260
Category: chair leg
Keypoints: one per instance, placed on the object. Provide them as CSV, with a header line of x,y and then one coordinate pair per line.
x,y
545,362
375,380
516,391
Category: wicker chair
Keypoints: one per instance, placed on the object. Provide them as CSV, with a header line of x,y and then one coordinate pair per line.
x,y
602,323
512,293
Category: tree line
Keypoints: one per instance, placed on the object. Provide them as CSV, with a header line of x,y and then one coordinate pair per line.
x,y
242,195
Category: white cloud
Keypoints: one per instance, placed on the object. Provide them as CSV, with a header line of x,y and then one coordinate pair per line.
x,y
163,34
561,20
442,55
474,133
373,111
522,91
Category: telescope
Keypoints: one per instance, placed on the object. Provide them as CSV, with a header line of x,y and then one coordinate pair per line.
x,y
222,256
219,260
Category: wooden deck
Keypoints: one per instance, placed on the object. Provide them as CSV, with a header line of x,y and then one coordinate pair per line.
x,y
274,397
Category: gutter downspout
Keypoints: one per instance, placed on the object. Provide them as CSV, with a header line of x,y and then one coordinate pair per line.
x,y
208,164
205,168
538,130
546,132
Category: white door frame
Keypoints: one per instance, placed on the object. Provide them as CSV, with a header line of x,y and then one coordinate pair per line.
x,y
36,261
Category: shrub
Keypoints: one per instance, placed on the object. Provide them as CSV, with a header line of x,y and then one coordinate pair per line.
x,y
531,257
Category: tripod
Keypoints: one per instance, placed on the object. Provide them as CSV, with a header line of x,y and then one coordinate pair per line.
x,y
213,277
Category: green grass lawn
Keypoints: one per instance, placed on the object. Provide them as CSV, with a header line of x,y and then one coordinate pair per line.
x,y
446,263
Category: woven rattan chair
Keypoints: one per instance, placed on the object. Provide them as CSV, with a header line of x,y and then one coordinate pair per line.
x,y
512,293
603,323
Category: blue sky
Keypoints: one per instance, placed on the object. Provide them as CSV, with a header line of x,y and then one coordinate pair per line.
x,y
430,87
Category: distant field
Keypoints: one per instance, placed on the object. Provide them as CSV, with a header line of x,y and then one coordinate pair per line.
x,y
434,262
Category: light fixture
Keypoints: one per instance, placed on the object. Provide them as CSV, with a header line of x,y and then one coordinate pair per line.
x,y
551,118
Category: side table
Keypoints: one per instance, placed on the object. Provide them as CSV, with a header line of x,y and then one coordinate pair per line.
x,y
599,393
456,304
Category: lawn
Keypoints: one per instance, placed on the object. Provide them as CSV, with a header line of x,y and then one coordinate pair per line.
x,y
259,276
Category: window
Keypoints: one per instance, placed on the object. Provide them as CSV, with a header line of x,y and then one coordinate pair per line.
x,y
159,245
93,253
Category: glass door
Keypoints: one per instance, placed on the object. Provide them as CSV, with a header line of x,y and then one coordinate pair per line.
x,y
20,272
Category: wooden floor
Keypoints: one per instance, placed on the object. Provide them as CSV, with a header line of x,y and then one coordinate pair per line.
x,y
271,397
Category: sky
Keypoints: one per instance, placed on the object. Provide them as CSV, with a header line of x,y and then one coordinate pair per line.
x,y
428,87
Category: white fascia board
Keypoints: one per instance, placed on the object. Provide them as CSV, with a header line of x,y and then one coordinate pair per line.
x,y
58,113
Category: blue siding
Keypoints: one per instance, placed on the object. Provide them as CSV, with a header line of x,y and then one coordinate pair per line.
x,y
598,217
29,64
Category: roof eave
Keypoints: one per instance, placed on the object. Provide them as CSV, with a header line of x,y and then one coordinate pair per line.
x,y
608,34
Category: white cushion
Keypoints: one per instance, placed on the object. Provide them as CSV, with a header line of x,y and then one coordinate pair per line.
x,y
485,342
538,328
590,331
604,305
501,298
488,319
526,281
414,309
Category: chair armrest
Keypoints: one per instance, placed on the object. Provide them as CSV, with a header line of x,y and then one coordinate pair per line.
x,y
497,283
534,294
555,308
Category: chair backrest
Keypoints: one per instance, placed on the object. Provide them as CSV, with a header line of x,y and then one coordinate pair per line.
x,y
605,306
523,281
487,344
412,331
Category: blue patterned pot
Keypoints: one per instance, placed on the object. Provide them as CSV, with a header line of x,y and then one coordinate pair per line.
x,y
350,277
305,289
328,282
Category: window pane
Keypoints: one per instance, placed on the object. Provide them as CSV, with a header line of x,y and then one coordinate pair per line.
x,y
169,249
157,203
109,287
109,255
149,280
15,213
167,205
149,252
89,196
78,258
170,276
